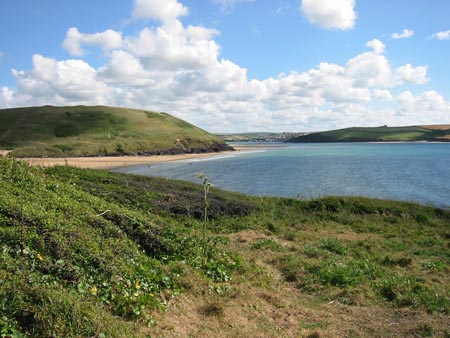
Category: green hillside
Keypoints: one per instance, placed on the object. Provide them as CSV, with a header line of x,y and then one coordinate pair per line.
x,y
89,253
375,134
86,131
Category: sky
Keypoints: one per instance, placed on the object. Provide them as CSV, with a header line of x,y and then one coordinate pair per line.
x,y
234,65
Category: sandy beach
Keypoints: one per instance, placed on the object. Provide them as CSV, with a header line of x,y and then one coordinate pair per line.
x,y
110,162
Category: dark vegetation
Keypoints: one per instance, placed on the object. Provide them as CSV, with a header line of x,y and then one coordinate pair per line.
x,y
375,134
99,131
89,253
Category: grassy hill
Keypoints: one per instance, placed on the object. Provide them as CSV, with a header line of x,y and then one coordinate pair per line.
x,y
95,254
86,131
378,134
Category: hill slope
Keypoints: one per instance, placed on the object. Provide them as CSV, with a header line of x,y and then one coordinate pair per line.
x,y
99,130
94,254
377,134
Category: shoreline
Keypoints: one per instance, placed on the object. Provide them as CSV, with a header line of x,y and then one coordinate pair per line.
x,y
114,162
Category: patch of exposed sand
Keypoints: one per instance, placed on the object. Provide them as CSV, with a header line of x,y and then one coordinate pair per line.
x,y
110,162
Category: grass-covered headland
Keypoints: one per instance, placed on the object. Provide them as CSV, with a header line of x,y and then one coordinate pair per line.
x,y
95,254
51,131
379,134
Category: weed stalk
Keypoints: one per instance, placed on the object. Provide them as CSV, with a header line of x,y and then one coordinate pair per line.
x,y
206,186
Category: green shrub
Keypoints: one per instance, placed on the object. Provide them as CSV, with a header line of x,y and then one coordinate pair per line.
x,y
267,243
412,292
333,245
346,274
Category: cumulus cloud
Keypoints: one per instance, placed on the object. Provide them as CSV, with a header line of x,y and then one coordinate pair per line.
x,y
59,82
6,97
408,73
407,33
330,14
178,68
424,108
124,68
377,45
382,95
107,40
163,10
370,69
172,46
441,35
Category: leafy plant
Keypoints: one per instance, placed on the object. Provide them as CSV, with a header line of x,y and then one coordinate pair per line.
x,y
267,243
333,245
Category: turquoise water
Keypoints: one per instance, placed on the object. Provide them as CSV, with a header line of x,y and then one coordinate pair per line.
x,y
417,172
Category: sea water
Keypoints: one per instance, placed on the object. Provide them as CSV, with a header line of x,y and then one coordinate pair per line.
x,y
418,172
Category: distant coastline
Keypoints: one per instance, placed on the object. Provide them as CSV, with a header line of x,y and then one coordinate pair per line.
x,y
435,133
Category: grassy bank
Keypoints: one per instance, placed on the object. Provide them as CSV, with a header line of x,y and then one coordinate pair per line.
x,y
378,134
50,131
96,254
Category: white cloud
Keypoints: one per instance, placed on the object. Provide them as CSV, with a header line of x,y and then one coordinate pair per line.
x,y
173,46
6,97
176,68
107,40
408,73
330,14
227,5
441,35
124,68
370,69
382,95
59,82
425,108
377,45
163,10
407,33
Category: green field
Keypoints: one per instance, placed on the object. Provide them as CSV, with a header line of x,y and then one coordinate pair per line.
x,y
375,134
85,131
89,253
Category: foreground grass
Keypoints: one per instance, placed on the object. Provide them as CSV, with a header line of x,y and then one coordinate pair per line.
x,y
96,254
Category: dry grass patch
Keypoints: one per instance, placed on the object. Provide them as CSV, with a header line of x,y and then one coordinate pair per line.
x,y
260,303
437,127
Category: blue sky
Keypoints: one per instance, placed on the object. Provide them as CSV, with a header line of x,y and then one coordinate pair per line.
x,y
234,65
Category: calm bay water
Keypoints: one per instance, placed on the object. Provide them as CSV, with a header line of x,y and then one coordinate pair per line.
x,y
417,172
